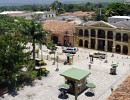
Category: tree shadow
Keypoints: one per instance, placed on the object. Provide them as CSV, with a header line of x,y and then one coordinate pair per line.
x,y
13,93
63,96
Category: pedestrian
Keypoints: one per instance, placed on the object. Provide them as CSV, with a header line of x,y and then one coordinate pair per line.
x,y
89,66
92,59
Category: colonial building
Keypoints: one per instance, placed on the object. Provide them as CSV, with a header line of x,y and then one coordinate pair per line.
x,y
62,33
100,35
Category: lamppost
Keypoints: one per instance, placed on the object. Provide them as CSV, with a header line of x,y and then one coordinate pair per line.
x,y
54,57
113,50
106,54
57,69
40,70
76,95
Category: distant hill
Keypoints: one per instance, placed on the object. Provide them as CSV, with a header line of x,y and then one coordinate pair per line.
x,y
45,2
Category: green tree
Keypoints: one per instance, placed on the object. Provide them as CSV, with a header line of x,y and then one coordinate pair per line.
x,y
57,6
34,32
117,9
100,15
6,24
12,58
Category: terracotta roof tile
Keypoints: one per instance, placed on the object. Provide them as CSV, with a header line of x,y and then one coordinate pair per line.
x,y
79,14
59,27
122,92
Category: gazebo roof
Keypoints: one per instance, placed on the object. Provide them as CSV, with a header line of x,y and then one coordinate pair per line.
x,y
76,74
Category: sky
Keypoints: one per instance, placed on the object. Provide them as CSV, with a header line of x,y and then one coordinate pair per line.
x,y
43,2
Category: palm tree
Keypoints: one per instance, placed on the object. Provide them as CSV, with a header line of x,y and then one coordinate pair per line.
x,y
33,32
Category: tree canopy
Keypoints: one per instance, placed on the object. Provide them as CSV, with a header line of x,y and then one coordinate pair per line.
x,y
12,58
33,31
117,9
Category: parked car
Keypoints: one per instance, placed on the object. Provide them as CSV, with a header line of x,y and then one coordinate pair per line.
x,y
69,50
99,55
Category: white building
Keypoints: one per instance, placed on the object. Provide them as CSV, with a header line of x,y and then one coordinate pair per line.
x,y
11,12
46,14
115,19
126,1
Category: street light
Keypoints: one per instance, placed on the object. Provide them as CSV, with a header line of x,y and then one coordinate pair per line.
x,y
57,69
106,54
54,56
113,48
40,70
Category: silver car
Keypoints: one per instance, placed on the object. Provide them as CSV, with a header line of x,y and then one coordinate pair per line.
x,y
70,50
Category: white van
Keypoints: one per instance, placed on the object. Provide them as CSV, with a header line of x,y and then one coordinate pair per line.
x,y
69,50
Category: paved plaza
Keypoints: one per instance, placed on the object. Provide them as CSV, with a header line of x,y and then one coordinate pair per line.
x,y
47,88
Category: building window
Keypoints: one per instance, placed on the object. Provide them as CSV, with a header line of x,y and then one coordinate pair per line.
x,y
81,43
93,33
92,43
125,49
118,37
110,35
86,33
80,32
118,48
125,37
101,34
86,44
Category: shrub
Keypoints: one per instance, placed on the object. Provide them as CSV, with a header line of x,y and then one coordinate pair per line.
x,y
43,63
44,72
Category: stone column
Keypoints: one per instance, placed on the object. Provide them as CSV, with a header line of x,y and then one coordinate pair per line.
x,y
89,41
83,31
121,48
121,37
106,47
96,40
114,46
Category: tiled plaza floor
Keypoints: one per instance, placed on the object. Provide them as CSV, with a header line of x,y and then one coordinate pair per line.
x,y
47,88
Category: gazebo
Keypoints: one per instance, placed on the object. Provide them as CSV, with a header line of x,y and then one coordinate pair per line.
x,y
76,79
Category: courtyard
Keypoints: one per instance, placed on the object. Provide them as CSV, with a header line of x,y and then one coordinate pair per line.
x,y
47,88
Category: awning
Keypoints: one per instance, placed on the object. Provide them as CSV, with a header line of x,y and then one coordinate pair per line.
x,y
91,85
64,86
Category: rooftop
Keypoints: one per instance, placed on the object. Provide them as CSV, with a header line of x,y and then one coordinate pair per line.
x,y
79,14
75,73
59,27
122,24
124,17
122,92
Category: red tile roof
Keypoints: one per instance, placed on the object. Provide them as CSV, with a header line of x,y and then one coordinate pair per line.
x,y
57,27
79,14
122,92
